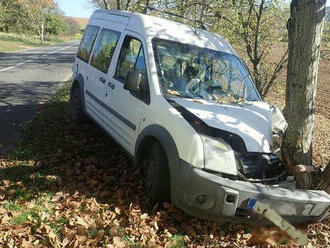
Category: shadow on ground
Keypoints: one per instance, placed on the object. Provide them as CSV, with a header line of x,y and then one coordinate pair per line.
x,y
71,163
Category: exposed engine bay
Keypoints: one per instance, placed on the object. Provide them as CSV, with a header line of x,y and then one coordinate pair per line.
x,y
263,168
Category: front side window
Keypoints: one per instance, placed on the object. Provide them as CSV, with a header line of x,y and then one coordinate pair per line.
x,y
131,59
190,71
104,49
87,42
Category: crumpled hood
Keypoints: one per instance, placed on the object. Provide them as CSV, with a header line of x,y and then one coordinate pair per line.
x,y
251,121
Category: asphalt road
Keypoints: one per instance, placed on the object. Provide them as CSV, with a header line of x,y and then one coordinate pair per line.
x,y
27,80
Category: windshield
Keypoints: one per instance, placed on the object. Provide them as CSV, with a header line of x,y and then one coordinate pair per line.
x,y
190,71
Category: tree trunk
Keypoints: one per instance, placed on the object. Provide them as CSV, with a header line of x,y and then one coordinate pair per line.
x,y
106,4
42,32
325,179
305,31
118,4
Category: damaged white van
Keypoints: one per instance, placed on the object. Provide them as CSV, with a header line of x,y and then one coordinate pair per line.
x,y
184,106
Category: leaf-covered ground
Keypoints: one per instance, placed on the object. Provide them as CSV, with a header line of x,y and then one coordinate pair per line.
x,y
71,186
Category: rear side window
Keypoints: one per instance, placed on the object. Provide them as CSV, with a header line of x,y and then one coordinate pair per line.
x,y
131,59
87,42
104,48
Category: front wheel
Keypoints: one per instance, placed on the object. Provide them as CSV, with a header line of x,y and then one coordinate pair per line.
x,y
156,174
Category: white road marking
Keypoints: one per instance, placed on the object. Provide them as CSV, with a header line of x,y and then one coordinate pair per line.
x,y
26,61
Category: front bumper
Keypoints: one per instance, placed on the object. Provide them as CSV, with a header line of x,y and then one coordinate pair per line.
x,y
209,196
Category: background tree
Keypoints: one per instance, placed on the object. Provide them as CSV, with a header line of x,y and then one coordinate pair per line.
x,y
55,24
73,26
31,16
12,16
132,5
37,12
254,27
257,25
305,32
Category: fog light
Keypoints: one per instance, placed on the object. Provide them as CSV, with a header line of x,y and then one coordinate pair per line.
x,y
201,199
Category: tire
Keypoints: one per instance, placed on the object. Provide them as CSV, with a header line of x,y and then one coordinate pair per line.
x,y
156,174
76,109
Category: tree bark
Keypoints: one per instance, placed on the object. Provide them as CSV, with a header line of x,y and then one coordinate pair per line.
x,y
305,32
106,4
325,179
118,4
42,32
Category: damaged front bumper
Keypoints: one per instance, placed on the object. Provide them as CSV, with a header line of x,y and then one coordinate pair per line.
x,y
210,196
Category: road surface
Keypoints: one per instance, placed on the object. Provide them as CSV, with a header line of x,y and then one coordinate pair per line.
x,y
28,79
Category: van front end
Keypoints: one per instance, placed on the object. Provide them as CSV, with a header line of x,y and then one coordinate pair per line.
x,y
241,162
211,196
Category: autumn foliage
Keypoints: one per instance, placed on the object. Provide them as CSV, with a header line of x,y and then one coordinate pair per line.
x,y
71,186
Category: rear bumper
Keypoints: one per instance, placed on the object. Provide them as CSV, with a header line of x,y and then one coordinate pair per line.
x,y
209,196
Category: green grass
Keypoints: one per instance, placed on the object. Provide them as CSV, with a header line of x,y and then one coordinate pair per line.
x,y
21,194
12,206
179,241
58,225
12,42
25,217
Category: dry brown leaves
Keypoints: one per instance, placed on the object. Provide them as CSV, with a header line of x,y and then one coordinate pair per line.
x,y
80,190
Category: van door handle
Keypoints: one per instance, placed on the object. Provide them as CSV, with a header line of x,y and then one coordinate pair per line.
x,y
111,85
102,79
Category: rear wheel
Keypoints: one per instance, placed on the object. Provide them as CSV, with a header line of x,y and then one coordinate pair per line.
x,y
77,113
156,174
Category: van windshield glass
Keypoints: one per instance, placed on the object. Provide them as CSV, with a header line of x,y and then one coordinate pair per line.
x,y
194,72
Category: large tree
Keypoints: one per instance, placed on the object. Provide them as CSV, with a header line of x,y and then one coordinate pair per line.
x,y
305,32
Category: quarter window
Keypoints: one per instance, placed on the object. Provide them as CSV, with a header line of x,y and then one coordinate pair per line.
x,y
104,49
87,42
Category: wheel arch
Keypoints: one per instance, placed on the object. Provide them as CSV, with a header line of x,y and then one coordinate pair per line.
x,y
161,135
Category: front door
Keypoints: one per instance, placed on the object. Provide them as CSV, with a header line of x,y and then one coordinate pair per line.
x,y
127,107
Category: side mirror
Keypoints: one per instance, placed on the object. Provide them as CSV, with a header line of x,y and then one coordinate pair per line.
x,y
132,81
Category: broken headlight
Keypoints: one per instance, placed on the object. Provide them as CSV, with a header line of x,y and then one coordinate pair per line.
x,y
218,156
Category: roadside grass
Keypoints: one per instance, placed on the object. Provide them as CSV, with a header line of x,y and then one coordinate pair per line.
x,y
13,42
68,185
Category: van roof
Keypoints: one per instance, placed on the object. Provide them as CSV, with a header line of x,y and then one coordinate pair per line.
x,y
151,26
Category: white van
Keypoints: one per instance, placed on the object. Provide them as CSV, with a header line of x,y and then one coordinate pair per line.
x,y
184,106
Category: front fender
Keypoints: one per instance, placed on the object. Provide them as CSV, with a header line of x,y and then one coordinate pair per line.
x,y
165,139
